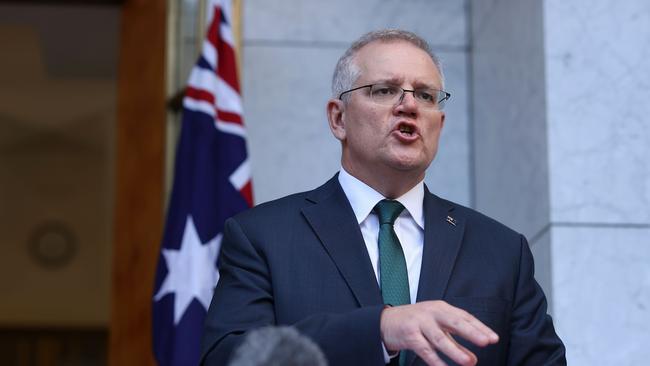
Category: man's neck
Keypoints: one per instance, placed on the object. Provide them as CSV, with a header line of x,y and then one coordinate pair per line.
x,y
391,184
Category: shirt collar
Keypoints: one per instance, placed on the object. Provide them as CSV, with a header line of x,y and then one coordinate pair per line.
x,y
363,198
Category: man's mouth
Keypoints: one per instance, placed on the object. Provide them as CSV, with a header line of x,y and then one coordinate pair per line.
x,y
407,130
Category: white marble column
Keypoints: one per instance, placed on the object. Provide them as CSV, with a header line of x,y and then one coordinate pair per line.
x,y
562,153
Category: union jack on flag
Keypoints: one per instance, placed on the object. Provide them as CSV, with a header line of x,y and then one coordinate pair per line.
x,y
212,182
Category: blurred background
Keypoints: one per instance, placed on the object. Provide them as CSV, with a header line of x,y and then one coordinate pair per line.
x,y
547,131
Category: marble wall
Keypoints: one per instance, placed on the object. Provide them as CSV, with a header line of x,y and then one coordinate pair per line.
x,y
509,116
562,153
601,284
598,89
597,80
290,48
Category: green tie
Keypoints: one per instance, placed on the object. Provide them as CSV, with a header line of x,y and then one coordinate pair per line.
x,y
393,274
394,278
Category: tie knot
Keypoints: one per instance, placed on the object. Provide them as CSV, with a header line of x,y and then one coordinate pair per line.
x,y
387,211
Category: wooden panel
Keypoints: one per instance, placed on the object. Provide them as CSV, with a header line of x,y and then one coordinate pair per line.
x,y
64,2
139,179
53,346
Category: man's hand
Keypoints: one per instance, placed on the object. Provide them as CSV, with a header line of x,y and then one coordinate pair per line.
x,y
426,328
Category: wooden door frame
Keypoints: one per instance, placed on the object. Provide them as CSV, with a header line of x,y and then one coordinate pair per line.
x,y
139,188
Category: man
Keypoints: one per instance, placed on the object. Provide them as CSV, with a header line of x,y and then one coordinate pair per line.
x,y
371,266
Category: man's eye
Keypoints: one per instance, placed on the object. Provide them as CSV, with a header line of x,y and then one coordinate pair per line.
x,y
384,91
425,96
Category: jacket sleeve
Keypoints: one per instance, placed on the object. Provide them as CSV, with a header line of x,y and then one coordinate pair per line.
x,y
533,340
243,300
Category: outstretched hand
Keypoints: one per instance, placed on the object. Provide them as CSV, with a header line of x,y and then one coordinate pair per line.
x,y
426,328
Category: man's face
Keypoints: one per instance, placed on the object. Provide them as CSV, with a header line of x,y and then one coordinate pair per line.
x,y
381,140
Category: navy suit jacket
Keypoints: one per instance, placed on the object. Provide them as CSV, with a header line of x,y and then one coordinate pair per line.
x,y
301,260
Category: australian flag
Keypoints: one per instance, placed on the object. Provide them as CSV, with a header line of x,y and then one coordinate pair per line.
x,y
212,182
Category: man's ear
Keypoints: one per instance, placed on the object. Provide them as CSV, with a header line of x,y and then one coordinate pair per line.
x,y
335,113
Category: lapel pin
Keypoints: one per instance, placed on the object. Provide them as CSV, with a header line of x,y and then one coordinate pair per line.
x,y
451,220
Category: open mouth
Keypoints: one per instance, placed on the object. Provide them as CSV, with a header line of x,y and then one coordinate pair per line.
x,y
406,129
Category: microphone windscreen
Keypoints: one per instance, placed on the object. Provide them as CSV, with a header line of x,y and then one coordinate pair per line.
x,y
277,346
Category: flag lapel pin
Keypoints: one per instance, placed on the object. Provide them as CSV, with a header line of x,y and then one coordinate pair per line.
x,y
451,220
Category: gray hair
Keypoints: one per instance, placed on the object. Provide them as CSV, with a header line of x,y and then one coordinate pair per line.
x,y
347,72
277,346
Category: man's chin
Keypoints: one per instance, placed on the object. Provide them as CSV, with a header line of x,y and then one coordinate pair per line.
x,y
412,171
409,164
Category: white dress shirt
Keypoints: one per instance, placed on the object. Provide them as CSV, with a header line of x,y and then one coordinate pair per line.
x,y
409,226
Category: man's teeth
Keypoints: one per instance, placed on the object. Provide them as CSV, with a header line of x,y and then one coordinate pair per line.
x,y
406,129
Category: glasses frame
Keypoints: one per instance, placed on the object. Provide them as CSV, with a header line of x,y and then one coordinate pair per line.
x,y
401,98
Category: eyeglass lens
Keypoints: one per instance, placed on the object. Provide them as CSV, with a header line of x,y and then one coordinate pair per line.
x,y
392,94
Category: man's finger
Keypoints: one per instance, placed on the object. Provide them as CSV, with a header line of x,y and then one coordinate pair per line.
x,y
492,336
464,324
444,343
427,354
473,321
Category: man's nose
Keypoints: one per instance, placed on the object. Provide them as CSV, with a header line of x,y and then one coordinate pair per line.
x,y
407,103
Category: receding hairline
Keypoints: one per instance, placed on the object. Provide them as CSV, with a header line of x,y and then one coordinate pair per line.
x,y
347,69
354,57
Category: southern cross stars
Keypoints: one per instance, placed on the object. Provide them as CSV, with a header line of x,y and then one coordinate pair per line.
x,y
192,272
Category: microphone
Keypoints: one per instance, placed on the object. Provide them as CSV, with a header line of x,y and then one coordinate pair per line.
x,y
277,346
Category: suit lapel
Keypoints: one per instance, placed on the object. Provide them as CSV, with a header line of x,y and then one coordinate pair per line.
x,y
332,219
443,234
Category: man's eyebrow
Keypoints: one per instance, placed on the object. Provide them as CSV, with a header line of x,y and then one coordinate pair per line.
x,y
396,80
426,85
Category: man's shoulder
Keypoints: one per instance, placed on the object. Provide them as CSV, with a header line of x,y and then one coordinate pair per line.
x,y
287,206
273,210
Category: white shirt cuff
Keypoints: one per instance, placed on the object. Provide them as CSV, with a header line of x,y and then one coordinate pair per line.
x,y
387,357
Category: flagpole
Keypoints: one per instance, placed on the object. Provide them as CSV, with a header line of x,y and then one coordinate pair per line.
x,y
237,32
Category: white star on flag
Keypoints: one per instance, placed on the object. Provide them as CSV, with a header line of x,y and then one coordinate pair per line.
x,y
192,273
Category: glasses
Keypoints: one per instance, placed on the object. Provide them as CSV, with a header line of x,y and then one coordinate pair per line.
x,y
387,94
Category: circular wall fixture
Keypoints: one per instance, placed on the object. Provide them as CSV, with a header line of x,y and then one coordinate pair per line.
x,y
52,245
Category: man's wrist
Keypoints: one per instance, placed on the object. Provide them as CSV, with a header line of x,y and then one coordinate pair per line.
x,y
388,355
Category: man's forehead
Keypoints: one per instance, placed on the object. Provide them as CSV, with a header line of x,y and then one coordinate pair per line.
x,y
382,47
394,62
